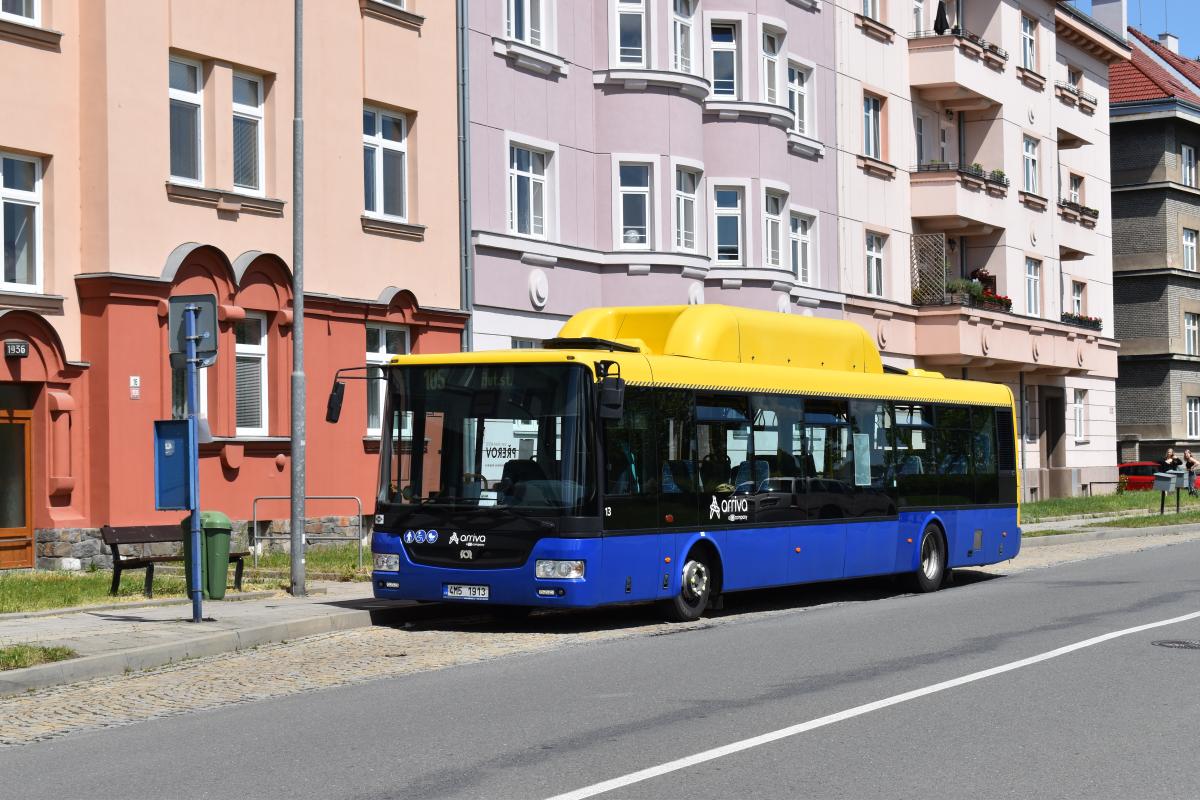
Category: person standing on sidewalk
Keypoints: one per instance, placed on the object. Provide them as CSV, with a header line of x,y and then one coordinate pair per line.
x,y
1190,464
1171,461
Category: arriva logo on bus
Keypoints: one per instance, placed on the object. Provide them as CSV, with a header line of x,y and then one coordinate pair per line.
x,y
737,509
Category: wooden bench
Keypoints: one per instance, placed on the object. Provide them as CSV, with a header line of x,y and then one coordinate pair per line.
x,y
153,534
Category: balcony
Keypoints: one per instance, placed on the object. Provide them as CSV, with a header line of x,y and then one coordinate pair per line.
x,y
957,69
962,199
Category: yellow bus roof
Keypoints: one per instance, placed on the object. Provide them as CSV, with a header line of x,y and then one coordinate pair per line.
x,y
721,348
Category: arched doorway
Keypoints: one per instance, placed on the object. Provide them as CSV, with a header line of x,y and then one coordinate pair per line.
x,y
16,476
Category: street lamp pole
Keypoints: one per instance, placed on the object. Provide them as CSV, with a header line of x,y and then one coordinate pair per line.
x,y
299,443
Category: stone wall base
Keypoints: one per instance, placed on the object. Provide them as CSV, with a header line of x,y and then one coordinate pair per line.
x,y
83,548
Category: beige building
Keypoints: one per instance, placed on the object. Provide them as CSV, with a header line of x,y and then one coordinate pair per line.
x,y
974,231
147,152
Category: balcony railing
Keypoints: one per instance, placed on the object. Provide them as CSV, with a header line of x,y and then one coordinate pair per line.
x,y
1082,320
1080,209
1075,91
958,33
995,176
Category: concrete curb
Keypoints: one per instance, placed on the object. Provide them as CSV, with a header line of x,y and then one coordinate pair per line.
x,y
1094,535
108,664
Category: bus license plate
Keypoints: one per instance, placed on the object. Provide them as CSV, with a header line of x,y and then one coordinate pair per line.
x,y
462,591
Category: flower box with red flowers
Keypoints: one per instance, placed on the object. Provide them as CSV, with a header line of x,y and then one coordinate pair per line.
x,y
1082,320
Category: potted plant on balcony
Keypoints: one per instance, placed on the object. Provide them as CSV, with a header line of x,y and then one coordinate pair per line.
x,y
998,176
960,291
989,299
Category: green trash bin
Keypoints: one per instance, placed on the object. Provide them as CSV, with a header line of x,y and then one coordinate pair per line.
x,y
215,529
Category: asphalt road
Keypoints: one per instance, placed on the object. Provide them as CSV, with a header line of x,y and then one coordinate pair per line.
x,y
1115,718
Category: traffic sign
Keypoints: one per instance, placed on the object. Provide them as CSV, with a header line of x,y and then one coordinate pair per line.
x,y
206,329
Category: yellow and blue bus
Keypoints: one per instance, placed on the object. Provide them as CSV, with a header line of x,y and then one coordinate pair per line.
x,y
675,454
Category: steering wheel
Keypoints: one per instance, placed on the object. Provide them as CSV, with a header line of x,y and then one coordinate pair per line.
x,y
469,476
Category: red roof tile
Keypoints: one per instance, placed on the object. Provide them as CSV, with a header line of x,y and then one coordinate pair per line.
x,y
1143,78
1188,67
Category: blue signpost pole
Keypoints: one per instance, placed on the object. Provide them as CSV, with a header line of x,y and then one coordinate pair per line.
x,y
193,373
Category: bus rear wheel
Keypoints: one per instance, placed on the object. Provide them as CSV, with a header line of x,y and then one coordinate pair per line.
x,y
695,588
931,569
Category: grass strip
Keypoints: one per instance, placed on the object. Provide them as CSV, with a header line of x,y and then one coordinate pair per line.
x,y
1152,521
19,656
39,591
1100,504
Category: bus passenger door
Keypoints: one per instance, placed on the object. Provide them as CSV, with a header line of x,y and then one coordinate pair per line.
x,y
679,473
631,481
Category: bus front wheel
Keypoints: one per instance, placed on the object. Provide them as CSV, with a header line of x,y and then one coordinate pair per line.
x,y
695,588
931,570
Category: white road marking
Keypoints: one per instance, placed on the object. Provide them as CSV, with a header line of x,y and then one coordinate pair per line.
x,y
857,711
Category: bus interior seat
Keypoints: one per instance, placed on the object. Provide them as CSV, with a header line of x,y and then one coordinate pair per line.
x,y
714,471
517,471
912,466
680,475
762,471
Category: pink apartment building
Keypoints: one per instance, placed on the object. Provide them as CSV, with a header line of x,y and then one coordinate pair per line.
x,y
146,151
973,157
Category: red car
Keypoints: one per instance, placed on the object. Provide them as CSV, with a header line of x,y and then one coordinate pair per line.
x,y
1139,475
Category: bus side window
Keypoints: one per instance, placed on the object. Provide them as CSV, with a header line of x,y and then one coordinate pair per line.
x,y
983,450
678,465
952,447
779,458
631,479
875,485
829,453
912,456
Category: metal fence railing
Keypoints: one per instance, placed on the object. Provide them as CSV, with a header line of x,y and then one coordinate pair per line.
x,y
358,524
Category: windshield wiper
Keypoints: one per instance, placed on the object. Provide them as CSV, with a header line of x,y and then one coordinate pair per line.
x,y
512,512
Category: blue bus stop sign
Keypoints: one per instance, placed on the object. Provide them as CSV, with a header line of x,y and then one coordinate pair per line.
x,y
174,440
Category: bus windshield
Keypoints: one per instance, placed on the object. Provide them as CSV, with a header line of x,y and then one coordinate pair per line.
x,y
511,435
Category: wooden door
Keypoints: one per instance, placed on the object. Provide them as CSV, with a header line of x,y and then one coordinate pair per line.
x,y
16,495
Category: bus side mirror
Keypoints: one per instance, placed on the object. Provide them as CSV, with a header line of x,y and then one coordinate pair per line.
x,y
333,410
612,398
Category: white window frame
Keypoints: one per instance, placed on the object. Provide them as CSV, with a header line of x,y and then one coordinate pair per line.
x,y
524,343
1074,187
773,230
1077,290
548,180
191,98
201,392
381,358
542,40
870,9
256,114
261,352
647,193
637,9
1029,42
802,245
738,213
683,36
875,247
725,47
918,11
379,144
686,204
800,97
872,126
1192,406
1079,412
34,19
1191,334
770,64
1189,248
1030,154
24,198
1033,287
1188,157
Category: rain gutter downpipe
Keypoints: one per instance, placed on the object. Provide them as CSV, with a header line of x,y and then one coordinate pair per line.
x,y
466,254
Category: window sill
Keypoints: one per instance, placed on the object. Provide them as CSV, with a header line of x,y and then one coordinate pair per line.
x,y
638,79
389,13
1068,95
387,227
528,57
31,299
1033,201
876,167
734,109
1031,79
804,145
225,200
809,5
875,28
30,34
1087,105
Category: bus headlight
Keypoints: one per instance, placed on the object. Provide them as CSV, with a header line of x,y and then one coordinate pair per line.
x,y
387,562
559,569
